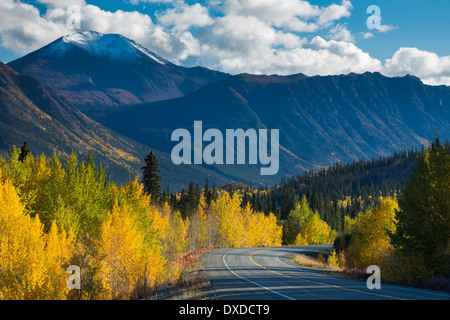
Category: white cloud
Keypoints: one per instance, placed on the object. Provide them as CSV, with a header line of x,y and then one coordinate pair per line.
x,y
366,35
22,29
335,12
280,13
341,33
293,15
387,28
136,2
63,3
428,66
184,17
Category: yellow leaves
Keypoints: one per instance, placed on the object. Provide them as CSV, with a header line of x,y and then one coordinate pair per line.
x,y
58,252
304,227
229,216
9,200
370,239
126,261
239,227
31,263
121,251
198,227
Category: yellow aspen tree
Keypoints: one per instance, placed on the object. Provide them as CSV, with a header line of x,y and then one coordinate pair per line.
x,y
22,264
274,232
252,226
120,253
198,226
370,242
230,222
59,250
175,243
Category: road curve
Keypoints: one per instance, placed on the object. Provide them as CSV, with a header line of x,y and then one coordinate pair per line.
x,y
270,274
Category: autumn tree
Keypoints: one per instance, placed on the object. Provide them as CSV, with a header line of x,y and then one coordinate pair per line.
x,y
370,241
126,262
304,227
32,263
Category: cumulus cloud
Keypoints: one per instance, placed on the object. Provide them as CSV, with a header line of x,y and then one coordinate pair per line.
x,y
335,12
22,29
280,13
426,65
341,33
184,17
63,3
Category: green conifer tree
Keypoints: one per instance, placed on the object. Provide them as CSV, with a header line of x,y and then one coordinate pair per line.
x,y
150,178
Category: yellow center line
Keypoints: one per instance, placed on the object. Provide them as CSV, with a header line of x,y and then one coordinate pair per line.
x,y
317,282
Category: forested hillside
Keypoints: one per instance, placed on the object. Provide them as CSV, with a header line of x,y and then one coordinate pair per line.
x,y
340,190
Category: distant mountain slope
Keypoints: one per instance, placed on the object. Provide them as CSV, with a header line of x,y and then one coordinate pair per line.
x,y
322,119
94,71
32,112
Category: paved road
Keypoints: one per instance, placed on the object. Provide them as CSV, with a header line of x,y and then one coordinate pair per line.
x,y
270,274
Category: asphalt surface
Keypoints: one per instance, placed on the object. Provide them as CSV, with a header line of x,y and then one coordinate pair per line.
x,y
270,274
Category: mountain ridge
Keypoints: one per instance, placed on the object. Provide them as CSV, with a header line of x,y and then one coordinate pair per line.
x,y
98,72
34,113
322,119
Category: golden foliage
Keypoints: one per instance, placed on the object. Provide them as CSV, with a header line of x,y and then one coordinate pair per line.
x,y
32,264
237,227
370,242
124,258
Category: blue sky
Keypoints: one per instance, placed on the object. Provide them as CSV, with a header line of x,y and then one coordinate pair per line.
x,y
255,36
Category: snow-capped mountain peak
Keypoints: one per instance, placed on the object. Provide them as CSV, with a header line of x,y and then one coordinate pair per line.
x,y
113,46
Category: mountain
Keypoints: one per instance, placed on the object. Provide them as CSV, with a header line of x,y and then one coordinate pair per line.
x,y
322,119
34,113
98,72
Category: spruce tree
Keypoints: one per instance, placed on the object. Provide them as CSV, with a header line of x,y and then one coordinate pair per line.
x,y
150,177
24,152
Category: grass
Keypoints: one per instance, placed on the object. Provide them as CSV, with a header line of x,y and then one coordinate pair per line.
x,y
189,286
316,263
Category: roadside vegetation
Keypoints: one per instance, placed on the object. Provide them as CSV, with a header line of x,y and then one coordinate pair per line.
x,y
55,214
137,241
407,238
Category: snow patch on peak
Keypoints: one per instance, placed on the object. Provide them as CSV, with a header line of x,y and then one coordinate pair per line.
x,y
113,46
147,52
82,38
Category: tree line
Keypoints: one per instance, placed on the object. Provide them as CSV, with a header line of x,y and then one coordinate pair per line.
x,y
55,213
129,239
392,211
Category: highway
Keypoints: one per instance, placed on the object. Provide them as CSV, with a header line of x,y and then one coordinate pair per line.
x,y
270,274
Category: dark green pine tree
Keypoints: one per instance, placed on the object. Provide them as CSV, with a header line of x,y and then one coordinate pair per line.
x,y
150,178
245,199
214,192
207,193
24,152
